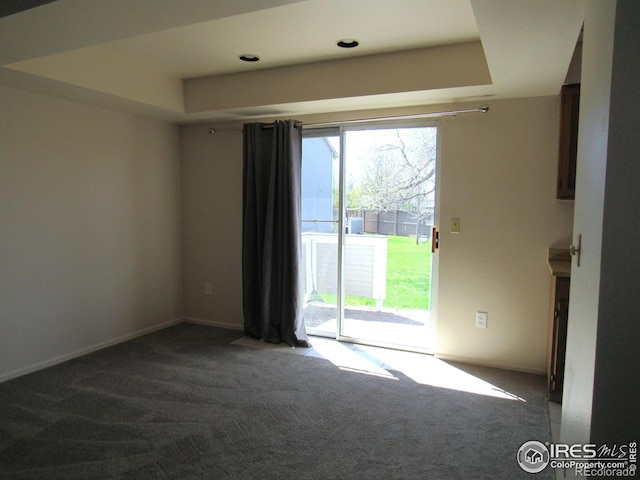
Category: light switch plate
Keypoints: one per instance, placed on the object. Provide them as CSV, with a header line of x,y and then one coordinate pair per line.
x,y
481,319
455,225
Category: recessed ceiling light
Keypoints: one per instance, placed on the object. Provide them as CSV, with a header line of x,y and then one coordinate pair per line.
x,y
248,57
347,43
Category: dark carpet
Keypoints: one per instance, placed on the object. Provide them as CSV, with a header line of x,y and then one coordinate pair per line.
x,y
183,403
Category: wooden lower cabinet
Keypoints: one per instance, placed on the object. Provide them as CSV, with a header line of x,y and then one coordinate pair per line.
x,y
559,338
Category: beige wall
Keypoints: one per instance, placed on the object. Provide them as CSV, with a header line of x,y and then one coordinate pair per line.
x,y
90,236
498,176
212,225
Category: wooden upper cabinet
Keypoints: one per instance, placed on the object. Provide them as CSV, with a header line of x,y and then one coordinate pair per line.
x,y
569,111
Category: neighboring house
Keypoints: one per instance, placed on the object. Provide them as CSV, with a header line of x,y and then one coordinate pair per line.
x,y
317,184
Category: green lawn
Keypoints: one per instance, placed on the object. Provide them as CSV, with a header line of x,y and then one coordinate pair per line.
x,y
408,273
408,276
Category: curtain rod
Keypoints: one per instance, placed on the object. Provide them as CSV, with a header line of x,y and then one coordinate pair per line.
x,y
448,113
265,126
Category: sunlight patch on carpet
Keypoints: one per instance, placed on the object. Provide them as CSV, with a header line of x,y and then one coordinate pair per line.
x,y
383,362
428,370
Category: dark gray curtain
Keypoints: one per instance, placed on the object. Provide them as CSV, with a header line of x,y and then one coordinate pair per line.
x,y
272,289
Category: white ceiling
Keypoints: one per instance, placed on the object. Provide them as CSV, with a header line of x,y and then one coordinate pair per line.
x,y
301,32
139,56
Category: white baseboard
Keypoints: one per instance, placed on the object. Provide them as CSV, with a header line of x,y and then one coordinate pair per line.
x,y
214,323
83,351
484,363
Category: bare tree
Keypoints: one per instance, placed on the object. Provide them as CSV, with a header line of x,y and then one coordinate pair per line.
x,y
401,172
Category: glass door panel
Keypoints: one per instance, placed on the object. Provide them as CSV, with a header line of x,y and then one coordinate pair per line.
x,y
320,207
389,198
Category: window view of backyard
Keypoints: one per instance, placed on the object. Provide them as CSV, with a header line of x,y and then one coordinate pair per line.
x,y
388,178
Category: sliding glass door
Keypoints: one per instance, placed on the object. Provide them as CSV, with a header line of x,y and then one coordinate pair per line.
x,y
368,205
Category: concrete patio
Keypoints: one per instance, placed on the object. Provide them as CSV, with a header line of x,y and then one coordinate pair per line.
x,y
393,327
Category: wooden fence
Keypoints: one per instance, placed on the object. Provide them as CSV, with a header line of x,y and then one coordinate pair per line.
x,y
392,222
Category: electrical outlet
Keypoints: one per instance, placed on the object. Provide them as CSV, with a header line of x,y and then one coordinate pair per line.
x,y
481,319
208,289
